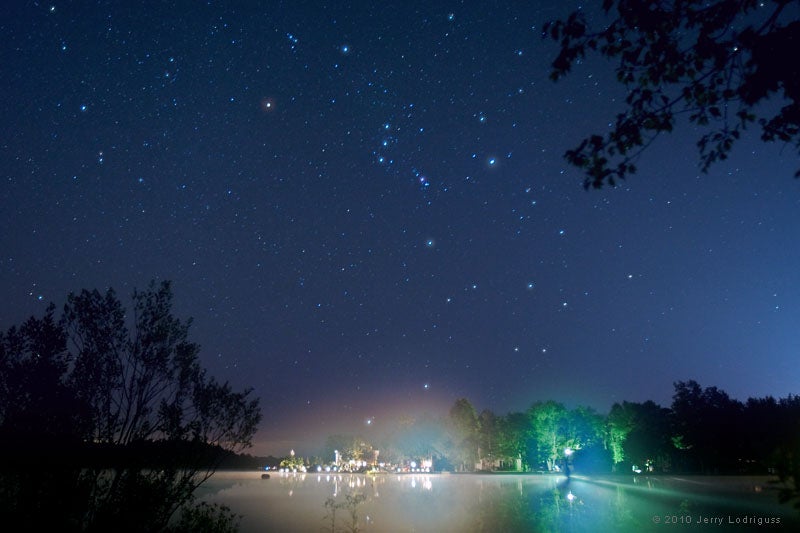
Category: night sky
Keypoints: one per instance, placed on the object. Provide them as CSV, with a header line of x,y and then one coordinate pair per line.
x,y
367,213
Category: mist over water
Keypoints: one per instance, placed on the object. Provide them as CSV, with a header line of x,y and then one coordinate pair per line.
x,y
498,502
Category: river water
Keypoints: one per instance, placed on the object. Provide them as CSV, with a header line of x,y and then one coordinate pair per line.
x,y
499,503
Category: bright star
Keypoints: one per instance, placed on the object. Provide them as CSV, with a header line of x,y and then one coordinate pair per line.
x,y
267,104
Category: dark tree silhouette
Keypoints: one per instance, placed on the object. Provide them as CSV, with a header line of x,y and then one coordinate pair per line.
x,y
113,414
35,399
717,62
773,440
706,423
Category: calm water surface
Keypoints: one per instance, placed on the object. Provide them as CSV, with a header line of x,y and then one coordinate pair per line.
x,y
501,503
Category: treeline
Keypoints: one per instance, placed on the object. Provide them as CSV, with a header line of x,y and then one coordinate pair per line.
x,y
703,431
156,454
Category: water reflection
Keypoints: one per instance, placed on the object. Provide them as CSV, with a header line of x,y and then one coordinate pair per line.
x,y
431,502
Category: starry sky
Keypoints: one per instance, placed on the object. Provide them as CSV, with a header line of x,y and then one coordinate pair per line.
x,y
367,213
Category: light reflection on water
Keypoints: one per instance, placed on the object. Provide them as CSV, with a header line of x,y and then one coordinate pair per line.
x,y
466,502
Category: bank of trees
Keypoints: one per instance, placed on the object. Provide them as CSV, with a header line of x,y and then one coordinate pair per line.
x,y
108,422
702,431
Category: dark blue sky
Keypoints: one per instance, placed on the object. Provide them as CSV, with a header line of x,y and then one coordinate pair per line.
x,y
367,212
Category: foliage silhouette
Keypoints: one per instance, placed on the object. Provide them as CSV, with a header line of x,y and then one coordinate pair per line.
x,y
716,62
108,421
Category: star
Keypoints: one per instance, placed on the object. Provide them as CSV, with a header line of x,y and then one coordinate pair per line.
x,y
267,104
